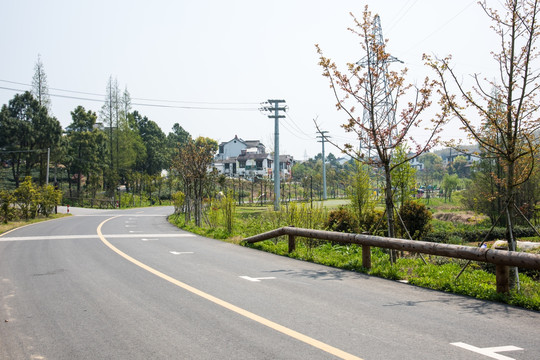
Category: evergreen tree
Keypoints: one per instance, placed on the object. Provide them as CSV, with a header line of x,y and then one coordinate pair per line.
x,y
40,87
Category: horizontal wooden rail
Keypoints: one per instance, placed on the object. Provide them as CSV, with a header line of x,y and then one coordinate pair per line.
x,y
501,258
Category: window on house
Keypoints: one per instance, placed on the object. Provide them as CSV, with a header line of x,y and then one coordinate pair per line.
x,y
242,164
259,164
221,149
227,166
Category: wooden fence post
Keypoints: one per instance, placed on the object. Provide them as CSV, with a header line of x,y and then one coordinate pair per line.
x,y
366,256
292,244
502,275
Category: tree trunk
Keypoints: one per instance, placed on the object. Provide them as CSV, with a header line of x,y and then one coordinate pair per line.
x,y
514,277
389,209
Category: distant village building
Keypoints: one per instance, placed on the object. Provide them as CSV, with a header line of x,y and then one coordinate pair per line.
x,y
469,152
415,163
249,159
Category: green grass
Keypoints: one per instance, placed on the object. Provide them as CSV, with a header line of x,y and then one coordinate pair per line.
x,y
438,273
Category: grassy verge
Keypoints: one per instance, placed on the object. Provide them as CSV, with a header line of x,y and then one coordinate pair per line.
x,y
15,224
438,274
478,280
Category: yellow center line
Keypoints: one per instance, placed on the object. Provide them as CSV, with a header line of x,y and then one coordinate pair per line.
x,y
277,327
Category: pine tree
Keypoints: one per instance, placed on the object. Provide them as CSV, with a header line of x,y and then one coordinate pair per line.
x,y
40,87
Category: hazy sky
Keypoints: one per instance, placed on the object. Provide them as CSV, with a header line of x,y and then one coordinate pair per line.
x,y
210,55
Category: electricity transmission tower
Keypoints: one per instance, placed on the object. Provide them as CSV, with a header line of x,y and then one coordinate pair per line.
x,y
323,137
276,108
378,92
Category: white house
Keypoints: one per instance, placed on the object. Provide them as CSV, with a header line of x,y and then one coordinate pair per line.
x,y
286,163
252,164
248,158
234,147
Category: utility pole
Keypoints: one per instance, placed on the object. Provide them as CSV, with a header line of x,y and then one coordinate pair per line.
x,y
276,108
48,160
323,137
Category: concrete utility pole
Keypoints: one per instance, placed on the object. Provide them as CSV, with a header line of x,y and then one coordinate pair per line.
x,y
48,159
276,109
323,137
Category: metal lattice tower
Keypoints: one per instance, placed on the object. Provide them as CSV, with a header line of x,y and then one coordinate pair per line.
x,y
377,87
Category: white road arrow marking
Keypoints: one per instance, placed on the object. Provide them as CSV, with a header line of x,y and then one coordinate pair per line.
x,y
256,279
135,231
144,239
180,252
489,352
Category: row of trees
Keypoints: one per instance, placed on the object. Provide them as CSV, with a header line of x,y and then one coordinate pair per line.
x,y
99,152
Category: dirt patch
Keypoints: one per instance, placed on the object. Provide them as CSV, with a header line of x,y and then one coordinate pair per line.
x,y
464,217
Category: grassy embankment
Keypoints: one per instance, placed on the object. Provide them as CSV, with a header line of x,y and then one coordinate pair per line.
x,y
478,280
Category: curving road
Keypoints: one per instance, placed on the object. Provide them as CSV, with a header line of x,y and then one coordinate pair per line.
x,y
128,285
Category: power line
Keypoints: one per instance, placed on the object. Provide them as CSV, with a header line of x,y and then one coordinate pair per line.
x,y
295,134
402,13
440,27
134,98
298,127
144,104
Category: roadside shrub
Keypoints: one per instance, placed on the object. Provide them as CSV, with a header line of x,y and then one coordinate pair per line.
x,y
437,237
178,201
373,222
341,220
228,208
48,199
27,198
6,206
417,219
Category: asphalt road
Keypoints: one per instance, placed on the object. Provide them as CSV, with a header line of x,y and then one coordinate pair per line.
x,y
128,285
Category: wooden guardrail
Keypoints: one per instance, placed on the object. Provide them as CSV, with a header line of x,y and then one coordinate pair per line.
x,y
98,203
501,258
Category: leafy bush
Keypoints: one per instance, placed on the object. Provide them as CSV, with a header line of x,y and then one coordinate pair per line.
x,y
27,198
341,220
48,199
6,206
128,200
417,219
178,201
373,222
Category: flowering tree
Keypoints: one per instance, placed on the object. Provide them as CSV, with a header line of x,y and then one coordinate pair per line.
x,y
359,91
507,107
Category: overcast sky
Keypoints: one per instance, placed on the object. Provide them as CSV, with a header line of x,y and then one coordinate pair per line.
x,y
208,56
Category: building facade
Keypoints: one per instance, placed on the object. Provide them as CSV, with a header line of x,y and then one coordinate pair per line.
x,y
249,159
